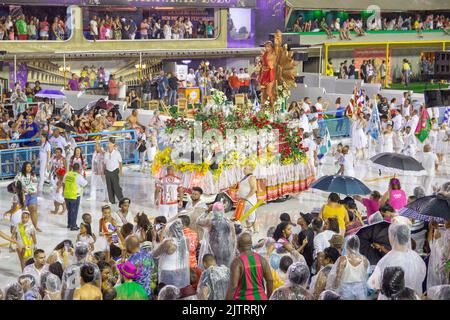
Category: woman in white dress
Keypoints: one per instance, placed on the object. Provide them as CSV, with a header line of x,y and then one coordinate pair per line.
x,y
122,89
359,137
441,146
388,139
433,136
44,161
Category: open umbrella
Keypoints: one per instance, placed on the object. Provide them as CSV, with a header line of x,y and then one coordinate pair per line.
x,y
341,184
65,127
51,94
436,207
398,164
373,233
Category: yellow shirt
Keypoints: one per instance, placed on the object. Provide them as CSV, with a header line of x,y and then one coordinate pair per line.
x,y
406,66
340,213
277,282
330,70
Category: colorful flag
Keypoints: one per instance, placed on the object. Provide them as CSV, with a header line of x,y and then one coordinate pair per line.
x,y
374,129
446,115
325,145
424,126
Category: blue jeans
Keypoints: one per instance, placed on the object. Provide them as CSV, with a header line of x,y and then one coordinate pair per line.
x,y
72,211
161,93
172,97
339,125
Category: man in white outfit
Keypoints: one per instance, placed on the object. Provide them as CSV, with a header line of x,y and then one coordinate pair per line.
x,y
247,192
429,161
168,193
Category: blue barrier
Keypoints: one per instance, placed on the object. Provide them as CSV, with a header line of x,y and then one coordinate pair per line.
x,y
11,160
338,127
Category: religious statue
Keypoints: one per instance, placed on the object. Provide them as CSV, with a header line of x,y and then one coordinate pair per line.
x,y
278,68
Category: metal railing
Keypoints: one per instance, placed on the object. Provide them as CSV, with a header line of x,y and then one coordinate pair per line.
x,y
11,160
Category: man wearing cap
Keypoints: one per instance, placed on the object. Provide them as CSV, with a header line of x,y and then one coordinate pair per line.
x,y
113,171
73,184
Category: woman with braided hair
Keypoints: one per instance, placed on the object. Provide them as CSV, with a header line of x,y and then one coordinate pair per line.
x,y
393,285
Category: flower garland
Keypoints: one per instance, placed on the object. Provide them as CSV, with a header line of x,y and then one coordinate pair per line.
x,y
290,149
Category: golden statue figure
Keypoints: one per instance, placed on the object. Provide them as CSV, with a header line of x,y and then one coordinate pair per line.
x,y
277,69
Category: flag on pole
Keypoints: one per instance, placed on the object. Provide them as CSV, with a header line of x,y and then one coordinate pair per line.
x,y
423,127
446,115
374,129
325,145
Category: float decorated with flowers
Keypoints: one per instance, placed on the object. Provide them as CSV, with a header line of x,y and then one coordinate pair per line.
x,y
210,149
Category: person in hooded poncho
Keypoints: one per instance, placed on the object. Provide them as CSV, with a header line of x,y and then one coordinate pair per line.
x,y
439,292
440,254
71,279
214,280
348,276
295,288
173,257
219,236
401,256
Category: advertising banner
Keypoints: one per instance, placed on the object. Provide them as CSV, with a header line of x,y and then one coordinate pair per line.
x,y
241,28
142,3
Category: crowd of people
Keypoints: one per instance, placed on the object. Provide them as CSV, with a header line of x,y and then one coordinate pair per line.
x,y
23,27
164,86
121,28
201,254
359,26
192,250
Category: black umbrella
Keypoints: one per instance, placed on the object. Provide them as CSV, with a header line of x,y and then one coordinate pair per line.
x,y
341,184
435,207
65,127
373,233
397,163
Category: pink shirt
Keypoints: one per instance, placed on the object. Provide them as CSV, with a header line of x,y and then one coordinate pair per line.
x,y
397,199
371,205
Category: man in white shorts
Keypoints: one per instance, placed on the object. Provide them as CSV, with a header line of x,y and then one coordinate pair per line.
x,y
168,193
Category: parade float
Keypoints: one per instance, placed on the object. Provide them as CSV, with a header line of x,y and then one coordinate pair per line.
x,y
208,148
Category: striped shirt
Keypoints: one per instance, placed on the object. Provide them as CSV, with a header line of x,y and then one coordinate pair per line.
x,y
251,285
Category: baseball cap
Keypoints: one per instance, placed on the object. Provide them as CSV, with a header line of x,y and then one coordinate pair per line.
x,y
285,217
308,217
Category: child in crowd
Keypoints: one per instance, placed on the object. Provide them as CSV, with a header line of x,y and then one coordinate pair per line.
x,y
85,235
58,197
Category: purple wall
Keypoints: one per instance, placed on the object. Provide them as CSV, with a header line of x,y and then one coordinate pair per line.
x,y
268,19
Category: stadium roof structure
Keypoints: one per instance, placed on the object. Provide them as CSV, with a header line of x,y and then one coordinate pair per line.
x,y
384,5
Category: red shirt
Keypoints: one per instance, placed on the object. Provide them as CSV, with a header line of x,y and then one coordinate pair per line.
x,y
234,82
193,243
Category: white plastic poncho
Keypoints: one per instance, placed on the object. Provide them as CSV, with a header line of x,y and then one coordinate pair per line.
x,y
213,284
52,287
14,291
439,292
440,254
401,256
218,238
348,277
71,279
174,267
169,292
295,289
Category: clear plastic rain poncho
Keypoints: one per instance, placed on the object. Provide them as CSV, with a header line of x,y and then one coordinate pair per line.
x,y
30,290
174,267
295,288
376,217
213,284
439,292
52,287
169,292
329,295
14,291
440,254
348,277
71,279
401,256
218,238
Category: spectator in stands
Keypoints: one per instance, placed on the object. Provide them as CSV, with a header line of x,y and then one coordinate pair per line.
x,y
21,26
144,29
32,31
93,28
233,80
173,89
324,26
73,83
163,84
113,88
